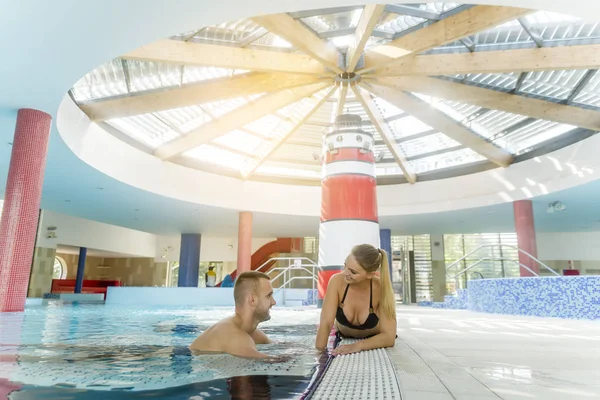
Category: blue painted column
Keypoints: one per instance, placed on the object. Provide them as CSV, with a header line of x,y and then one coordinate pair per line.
x,y
189,260
385,238
80,269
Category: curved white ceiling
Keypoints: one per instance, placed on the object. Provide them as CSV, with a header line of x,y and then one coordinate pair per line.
x,y
571,166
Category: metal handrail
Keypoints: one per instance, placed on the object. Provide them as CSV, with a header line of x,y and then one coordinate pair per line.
x,y
284,270
311,262
476,263
311,267
500,245
480,274
490,259
293,278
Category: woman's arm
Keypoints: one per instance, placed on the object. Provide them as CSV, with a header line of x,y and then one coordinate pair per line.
x,y
385,338
330,303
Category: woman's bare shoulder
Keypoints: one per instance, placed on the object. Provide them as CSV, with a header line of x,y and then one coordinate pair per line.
x,y
335,282
337,278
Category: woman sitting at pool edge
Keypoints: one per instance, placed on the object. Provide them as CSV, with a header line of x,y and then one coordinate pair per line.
x,y
361,304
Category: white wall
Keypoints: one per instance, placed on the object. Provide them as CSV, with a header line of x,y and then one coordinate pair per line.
x,y
79,232
212,248
568,246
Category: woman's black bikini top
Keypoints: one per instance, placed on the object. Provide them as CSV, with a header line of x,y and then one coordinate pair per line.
x,y
371,321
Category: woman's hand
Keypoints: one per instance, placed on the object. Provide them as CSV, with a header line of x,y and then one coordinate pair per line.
x,y
347,349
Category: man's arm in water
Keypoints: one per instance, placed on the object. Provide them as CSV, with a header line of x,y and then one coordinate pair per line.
x,y
240,344
260,337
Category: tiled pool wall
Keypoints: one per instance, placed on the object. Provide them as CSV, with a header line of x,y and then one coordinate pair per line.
x,y
576,297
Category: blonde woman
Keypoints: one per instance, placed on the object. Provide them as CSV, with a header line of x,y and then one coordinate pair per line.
x,y
360,303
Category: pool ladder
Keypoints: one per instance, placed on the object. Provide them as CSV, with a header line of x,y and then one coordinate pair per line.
x,y
289,273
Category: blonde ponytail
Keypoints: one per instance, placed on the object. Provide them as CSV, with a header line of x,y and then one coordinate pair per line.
x,y
388,298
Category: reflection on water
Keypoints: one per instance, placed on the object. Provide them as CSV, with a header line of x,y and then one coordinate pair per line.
x,y
70,351
256,387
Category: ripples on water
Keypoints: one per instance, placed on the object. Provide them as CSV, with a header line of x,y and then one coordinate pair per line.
x,y
110,352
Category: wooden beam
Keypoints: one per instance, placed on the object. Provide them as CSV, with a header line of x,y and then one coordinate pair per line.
x,y
455,27
289,134
483,62
368,19
341,100
198,93
301,37
495,100
211,55
236,119
441,122
385,132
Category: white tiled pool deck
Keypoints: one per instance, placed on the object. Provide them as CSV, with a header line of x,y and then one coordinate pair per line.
x,y
462,355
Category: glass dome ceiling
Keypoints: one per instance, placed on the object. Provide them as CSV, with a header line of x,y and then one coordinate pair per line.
x,y
446,89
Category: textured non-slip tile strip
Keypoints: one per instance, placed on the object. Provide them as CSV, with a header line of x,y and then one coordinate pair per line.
x,y
368,375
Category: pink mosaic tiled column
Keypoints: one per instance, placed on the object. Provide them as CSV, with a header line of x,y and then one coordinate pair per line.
x,y
525,227
22,198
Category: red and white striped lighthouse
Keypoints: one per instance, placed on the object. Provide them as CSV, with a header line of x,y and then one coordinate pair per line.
x,y
348,196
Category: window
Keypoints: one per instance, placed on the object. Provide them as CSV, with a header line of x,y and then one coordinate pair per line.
x,y
60,269
421,246
311,247
173,275
494,261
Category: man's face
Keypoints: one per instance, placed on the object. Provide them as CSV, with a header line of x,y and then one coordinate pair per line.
x,y
265,300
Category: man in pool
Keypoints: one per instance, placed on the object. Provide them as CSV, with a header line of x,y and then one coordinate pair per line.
x,y
238,335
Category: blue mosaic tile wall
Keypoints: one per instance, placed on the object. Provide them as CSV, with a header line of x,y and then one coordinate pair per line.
x,y
575,297
311,297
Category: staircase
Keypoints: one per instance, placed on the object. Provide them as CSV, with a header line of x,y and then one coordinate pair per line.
x,y
268,252
460,301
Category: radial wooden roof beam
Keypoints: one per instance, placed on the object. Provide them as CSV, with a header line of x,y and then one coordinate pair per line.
x,y
236,119
455,27
385,132
368,19
199,93
301,37
544,59
342,94
442,123
289,134
210,55
495,100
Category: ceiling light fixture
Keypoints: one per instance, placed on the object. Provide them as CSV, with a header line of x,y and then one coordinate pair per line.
x,y
555,206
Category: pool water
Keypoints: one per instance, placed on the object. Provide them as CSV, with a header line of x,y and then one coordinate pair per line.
x,y
95,351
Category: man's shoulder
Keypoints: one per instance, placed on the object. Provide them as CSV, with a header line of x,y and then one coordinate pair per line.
x,y
228,325
220,336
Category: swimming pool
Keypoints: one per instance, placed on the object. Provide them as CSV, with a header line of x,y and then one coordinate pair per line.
x,y
95,351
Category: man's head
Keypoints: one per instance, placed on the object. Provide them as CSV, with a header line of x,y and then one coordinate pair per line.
x,y
253,290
